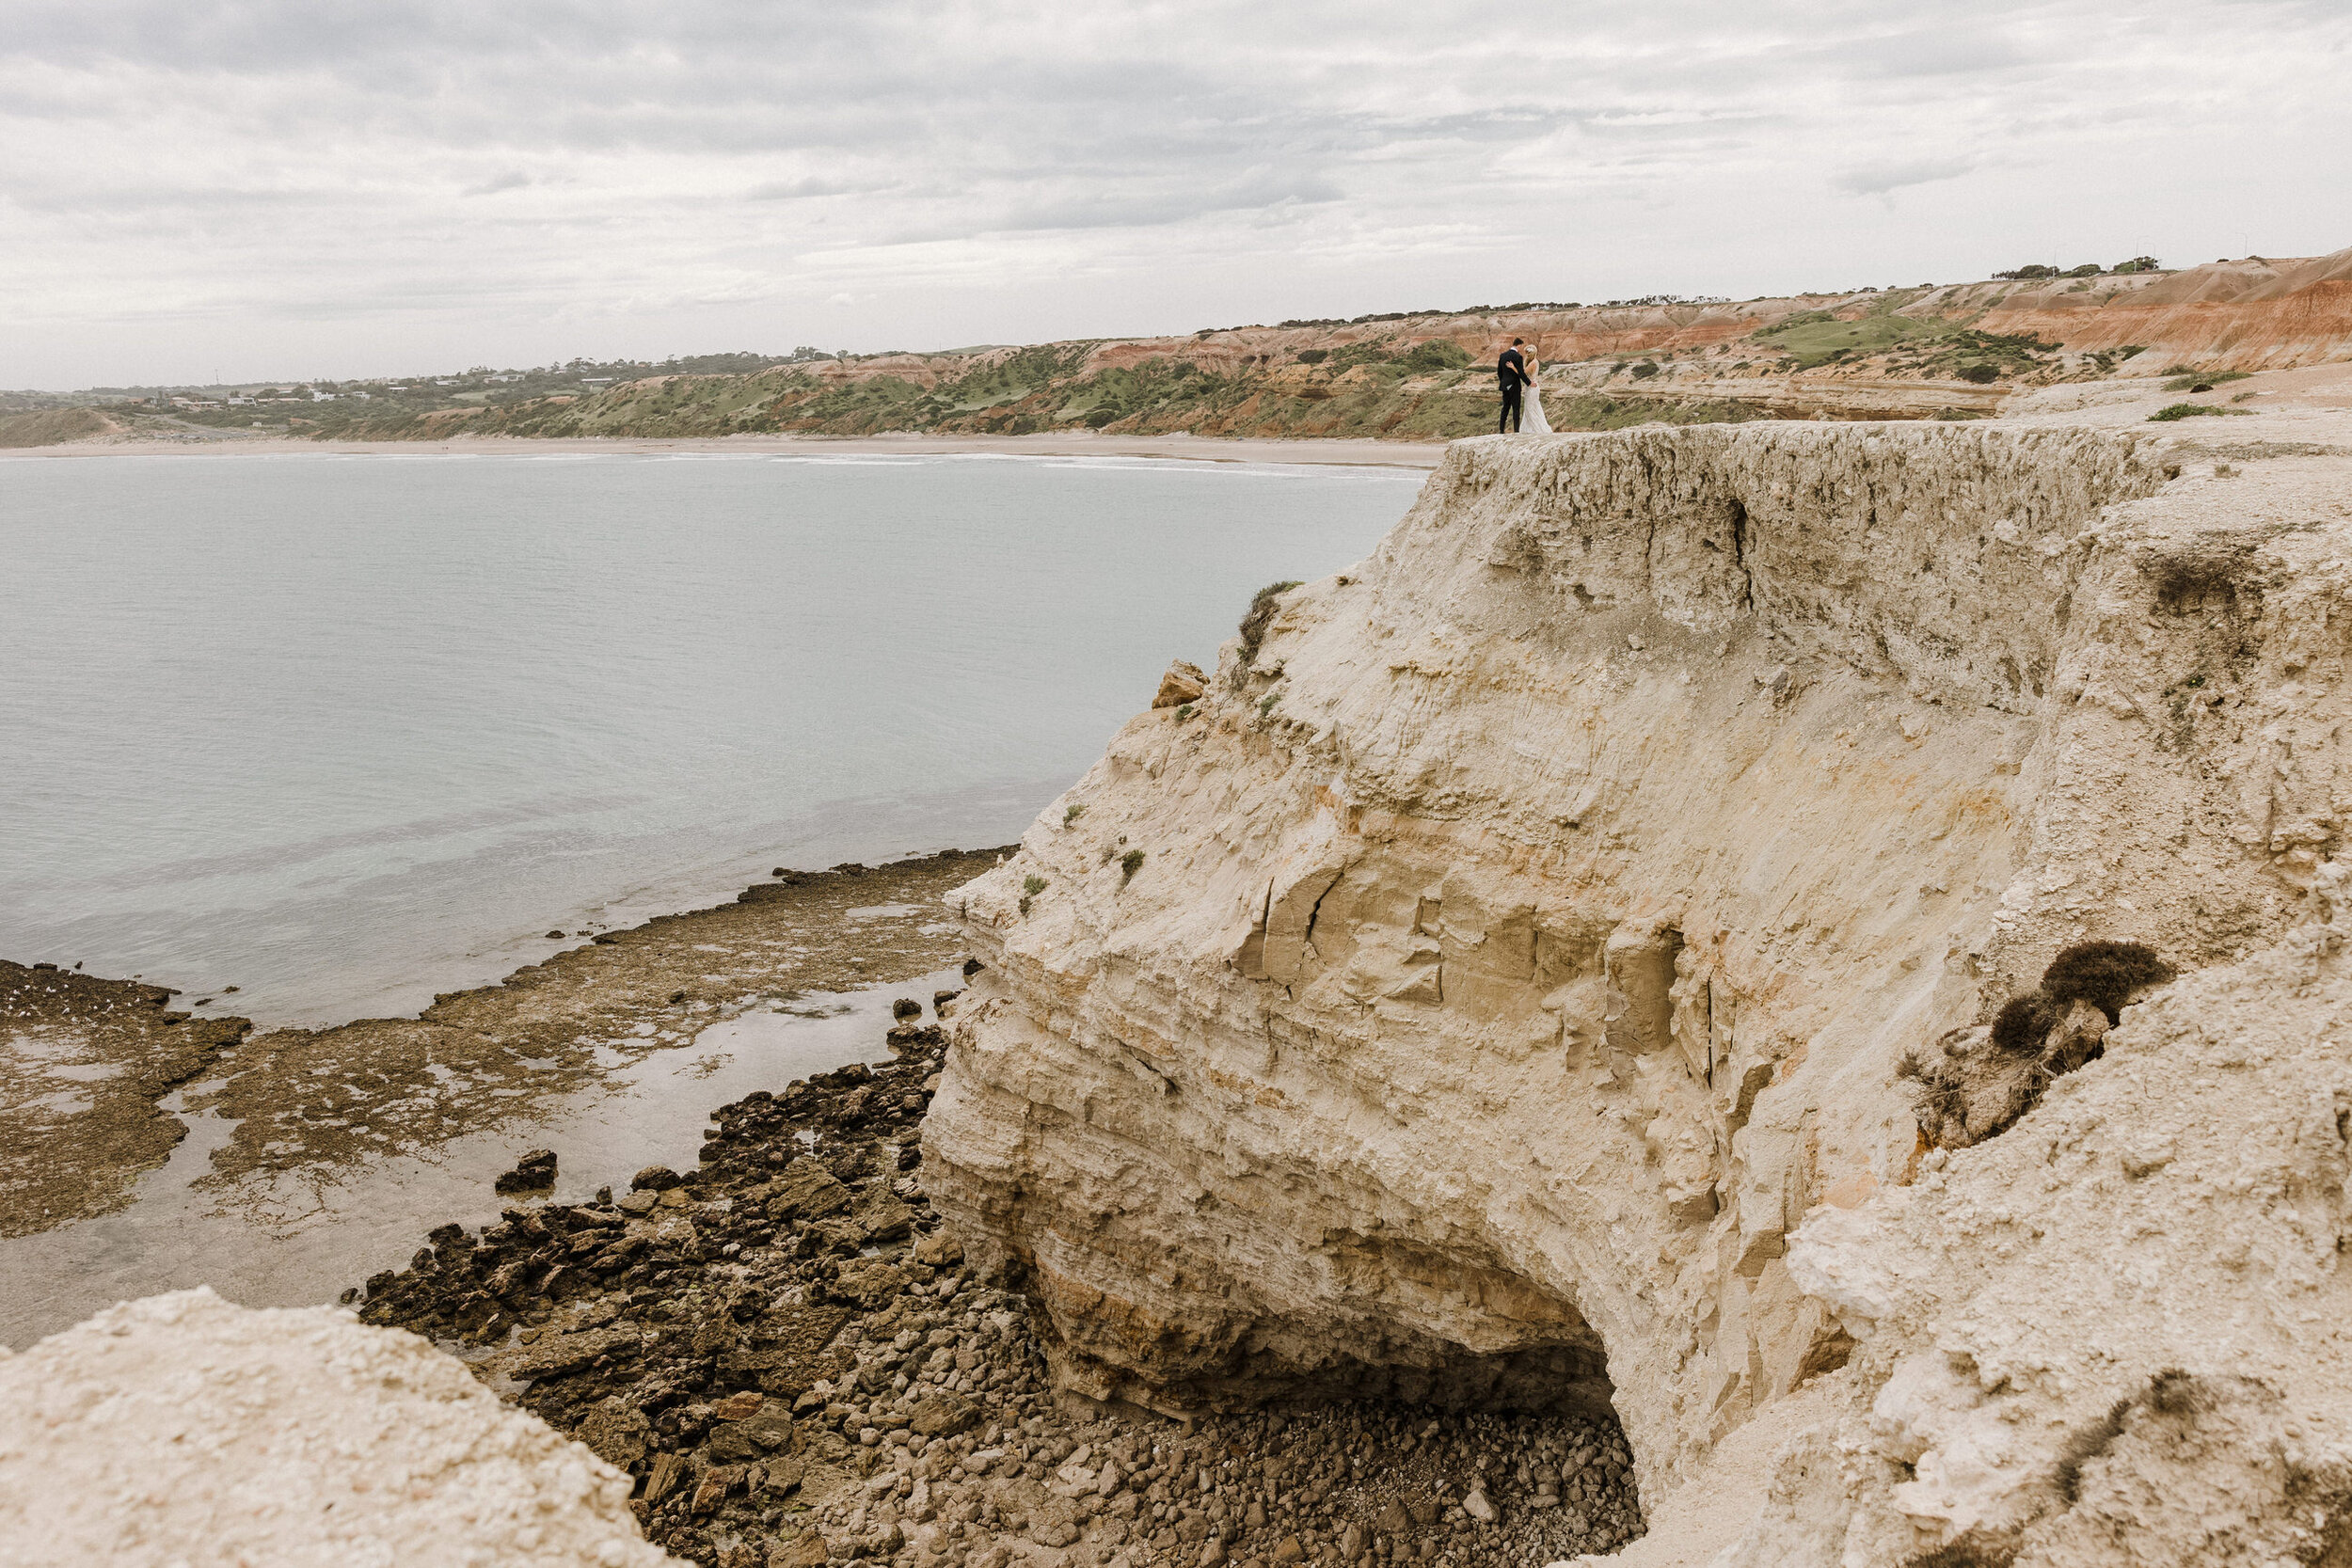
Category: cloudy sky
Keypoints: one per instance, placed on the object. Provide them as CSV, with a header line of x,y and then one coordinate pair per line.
x,y
281,189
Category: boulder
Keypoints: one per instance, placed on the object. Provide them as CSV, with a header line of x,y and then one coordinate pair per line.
x,y
806,1190
1184,683
866,1284
944,1415
533,1172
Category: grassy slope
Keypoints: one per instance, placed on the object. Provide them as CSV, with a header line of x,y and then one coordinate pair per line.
x,y
1929,352
51,426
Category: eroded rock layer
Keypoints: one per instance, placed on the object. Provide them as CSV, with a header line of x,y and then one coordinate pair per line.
x,y
1467,996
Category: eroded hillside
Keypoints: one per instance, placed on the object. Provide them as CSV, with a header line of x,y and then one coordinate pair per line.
x,y
1948,352
1511,982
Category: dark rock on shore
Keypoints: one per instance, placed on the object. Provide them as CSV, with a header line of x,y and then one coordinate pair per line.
x,y
792,1356
533,1172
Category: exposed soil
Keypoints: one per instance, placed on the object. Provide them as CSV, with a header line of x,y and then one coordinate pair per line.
x,y
795,1361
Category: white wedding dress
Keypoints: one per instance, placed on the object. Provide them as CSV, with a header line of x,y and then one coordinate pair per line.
x,y
1531,420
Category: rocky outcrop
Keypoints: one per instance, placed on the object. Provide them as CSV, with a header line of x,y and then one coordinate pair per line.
x,y
182,1428
2254,314
1470,996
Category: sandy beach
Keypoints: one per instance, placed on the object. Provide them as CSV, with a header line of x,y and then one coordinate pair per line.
x,y
1407,454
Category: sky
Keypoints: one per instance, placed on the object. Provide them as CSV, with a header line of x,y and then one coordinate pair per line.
x,y
194,190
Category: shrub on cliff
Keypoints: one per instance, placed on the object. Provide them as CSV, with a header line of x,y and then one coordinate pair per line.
x,y
2189,411
1972,1092
2103,974
1432,356
2023,1023
2193,381
1262,611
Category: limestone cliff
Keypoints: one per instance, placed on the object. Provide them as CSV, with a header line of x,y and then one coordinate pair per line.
x,y
1470,994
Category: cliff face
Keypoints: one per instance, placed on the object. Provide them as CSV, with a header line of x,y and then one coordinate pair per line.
x,y
1527,938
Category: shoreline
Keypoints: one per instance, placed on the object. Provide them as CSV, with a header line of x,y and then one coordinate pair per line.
x,y
797,1361
123,1079
1330,451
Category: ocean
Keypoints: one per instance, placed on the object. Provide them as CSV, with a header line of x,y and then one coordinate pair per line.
x,y
346,731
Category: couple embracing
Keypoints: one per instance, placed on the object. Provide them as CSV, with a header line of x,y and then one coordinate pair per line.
x,y
1517,370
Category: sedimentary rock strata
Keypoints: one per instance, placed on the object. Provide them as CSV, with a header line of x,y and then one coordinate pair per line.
x,y
1468,998
796,1363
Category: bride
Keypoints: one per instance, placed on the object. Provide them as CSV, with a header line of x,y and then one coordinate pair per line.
x,y
1531,420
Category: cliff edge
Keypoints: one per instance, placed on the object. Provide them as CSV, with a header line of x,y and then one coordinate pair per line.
x,y
1545,965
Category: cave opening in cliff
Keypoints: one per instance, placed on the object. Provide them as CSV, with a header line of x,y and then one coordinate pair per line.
x,y
1452,1454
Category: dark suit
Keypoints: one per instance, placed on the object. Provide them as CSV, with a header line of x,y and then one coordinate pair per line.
x,y
1511,370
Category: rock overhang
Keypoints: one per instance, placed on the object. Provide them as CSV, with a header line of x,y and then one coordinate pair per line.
x,y
1533,926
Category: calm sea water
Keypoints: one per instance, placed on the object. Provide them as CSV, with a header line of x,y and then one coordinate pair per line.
x,y
347,731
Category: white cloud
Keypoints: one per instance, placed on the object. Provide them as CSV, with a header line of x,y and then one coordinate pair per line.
x,y
1878,179
376,187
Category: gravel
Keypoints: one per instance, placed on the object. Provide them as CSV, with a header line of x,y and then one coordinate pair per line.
x,y
796,1366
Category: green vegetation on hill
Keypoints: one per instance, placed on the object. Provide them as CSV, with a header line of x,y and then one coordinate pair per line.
x,y
1872,352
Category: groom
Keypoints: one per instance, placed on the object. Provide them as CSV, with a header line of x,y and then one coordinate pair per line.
x,y
1511,370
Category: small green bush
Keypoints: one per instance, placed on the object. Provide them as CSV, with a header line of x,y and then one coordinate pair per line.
x,y
1643,370
1072,814
1263,606
1432,355
1981,374
1268,705
2194,382
1030,887
1313,356
2189,411
1183,711
1129,863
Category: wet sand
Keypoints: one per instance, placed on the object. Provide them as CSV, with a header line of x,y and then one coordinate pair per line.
x,y
307,1149
1409,454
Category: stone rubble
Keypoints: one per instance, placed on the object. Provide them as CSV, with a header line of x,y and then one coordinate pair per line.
x,y
797,1365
